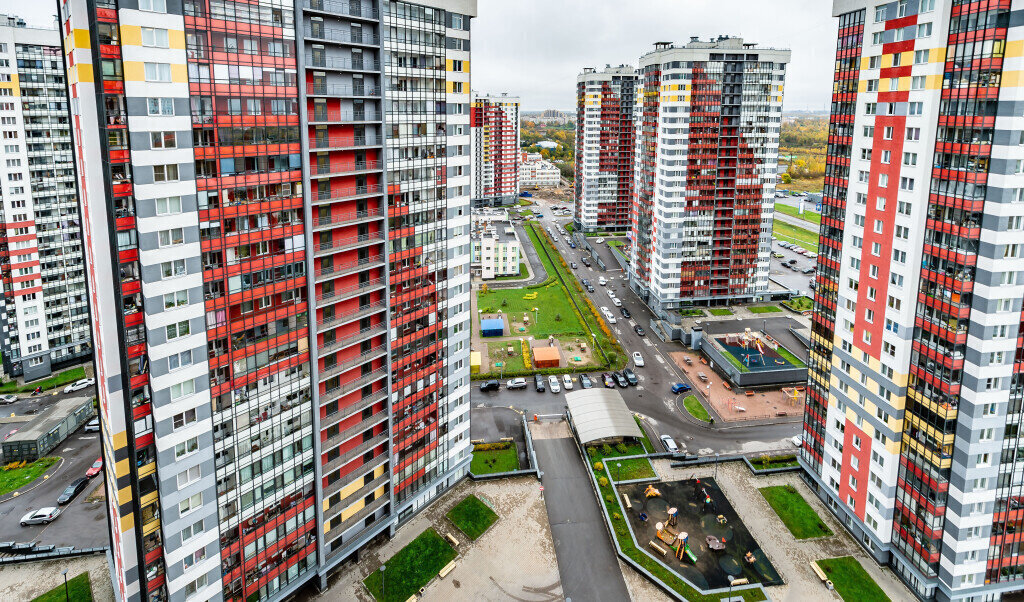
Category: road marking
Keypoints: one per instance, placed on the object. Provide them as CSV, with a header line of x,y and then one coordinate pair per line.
x,y
660,361
648,343
87,437
67,449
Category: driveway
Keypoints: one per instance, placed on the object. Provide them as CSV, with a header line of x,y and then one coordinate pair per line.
x,y
586,562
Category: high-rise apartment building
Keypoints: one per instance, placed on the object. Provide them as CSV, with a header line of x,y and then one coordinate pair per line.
x,y
912,420
494,131
45,313
708,117
605,138
276,209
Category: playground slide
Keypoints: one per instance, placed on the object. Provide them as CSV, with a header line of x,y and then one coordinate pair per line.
x,y
690,554
760,349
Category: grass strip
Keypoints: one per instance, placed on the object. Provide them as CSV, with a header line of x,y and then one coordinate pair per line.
x,y
696,409
472,516
16,478
851,581
494,460
411,568
798,516
78,590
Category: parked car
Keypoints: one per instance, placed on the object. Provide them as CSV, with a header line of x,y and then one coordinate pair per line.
x,y
585,382
72,490
8,399
602,281
812,285
572,245
631,377
598,240
43,516
777,255
95,469
669,443
590,288
678,388
620,379
516,383
586,261
798,440
8,435
609,382
573,265
808,270
585,282
611,293
538,381
490,385
553,384
638,359
78,385
567,382
639,330
791,261
625,313
93,426
616,302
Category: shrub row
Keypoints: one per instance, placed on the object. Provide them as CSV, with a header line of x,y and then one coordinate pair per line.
x,y
492,446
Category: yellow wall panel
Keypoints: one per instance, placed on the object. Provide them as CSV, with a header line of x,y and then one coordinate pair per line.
x,y
124,495
355,507
121,438
176,39
1014,48
934,82
81,37
131,35
121,468
179,74
134,71
127,522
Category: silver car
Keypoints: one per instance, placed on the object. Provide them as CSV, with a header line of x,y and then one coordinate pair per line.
x,y
43,516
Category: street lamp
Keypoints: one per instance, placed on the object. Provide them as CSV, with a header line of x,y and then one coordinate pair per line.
x,y
67,597
382,567
716,465
536,315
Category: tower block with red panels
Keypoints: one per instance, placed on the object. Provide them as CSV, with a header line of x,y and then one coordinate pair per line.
x,y
494,130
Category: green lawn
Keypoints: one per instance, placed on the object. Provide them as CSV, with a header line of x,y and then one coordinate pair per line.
x,y
645,441
411,568
495,460
800,303
694,407
555,315
852,582
509,362
58,380
808,215
11,480
789,357
633,468
522,275
693,311
803,185
720,311
78,590
608,451
798,516
765,309
800,236
472,516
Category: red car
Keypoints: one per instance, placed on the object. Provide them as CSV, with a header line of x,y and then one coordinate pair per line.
x,y
95,469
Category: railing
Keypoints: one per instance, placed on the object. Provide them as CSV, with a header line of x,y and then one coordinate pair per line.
x,y
342,8
349,241
339,62
350,192
345,389
349,216
362,312
355,452
341,35
340,142
342,116
354,362
341,90
344,291
348,266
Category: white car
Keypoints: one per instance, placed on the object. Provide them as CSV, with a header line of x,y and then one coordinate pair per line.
x,y
7,399
638,359
553,384
567,382
798,440
669,443
611,294
616,302
516,383
78,385
602,281
611,318
598,240
93,426
43,516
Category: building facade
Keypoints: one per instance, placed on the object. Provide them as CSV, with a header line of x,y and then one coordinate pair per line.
x,y
536,172
708,117
276,203
495,245
45,312
605,138
911,425
494,130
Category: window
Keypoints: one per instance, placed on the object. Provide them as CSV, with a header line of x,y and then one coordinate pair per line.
x,y
173,269
174,236
887,133
883,180
161,106
187,477
168,205
165,173
871,108
158,140
186,447
175,299
880,13
924,30
157,72
903,207
926,6
192,588
920,57
856,441
907,184
157,6
886,156
913,134
918,82
191,531
910,159
177,330
184,389
184,419
873,62
916,108
877,38
156,38
179,360
872,85
192,559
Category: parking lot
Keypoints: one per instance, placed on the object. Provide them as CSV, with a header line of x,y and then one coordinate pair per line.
x,y
82,523
792,279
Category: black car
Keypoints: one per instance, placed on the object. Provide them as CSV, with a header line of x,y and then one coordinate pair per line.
x,y
573,265
585,282
620,379
639,330
540,382
72,490
585,381
586,261
491,385
625,313
590,289
631,377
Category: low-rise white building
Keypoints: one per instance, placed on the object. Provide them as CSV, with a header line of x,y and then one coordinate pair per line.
x,y
538,172
496,251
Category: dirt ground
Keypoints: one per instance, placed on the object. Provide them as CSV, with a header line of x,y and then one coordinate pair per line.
x,y
733,405
30,579
513,560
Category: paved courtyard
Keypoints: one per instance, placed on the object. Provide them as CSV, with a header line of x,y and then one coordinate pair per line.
x,y
27,580
513,560
790,557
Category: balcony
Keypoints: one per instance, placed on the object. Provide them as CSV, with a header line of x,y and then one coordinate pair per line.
x,y
348,218
359,494
342,90
351,410
368,356
348,267
365,310
350,192
342,36
346,388
355,452
342,8
341,168
337,116
342,63
326,247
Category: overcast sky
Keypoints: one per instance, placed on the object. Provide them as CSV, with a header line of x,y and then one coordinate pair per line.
x,y
535,48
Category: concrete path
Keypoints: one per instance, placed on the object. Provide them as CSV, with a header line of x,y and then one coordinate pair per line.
x,y
588,567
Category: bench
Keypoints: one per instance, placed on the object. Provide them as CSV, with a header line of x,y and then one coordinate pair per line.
x,y
447,569
749,393
727,386
629,506
455,542
817,571
657,548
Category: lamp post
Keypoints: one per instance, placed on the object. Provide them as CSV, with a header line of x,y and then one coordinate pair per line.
x,y
67,596
382,596
716,465
536,315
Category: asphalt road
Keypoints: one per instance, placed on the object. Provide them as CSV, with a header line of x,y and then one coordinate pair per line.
x,y
791,279
81,524
586,563
652,397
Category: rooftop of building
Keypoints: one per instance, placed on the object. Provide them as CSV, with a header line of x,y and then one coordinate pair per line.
x,y
492,223
592,74
722,42
48,419
502,97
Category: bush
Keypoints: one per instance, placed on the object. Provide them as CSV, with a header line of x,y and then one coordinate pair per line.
x,y
492,446
598,466
790,489
603,482
606,449
616,516
591,451
526,355
621,448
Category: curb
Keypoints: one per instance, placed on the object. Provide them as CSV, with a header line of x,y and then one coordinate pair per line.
x,y
38,481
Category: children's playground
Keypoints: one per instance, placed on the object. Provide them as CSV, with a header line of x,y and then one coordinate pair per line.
x,y
756,351
693,530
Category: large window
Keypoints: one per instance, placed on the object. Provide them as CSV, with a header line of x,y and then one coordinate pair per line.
x,y
158,72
